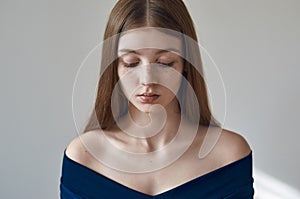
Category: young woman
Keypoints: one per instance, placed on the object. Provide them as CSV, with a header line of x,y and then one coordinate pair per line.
x,y
152,134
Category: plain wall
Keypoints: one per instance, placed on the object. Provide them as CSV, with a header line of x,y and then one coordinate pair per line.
x,y
254,43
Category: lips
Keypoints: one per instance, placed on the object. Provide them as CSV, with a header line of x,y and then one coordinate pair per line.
x,y
148,97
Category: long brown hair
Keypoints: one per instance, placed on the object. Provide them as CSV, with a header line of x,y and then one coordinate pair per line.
x,y
130,14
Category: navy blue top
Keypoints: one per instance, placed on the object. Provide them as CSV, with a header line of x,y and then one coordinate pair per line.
x,y
230,181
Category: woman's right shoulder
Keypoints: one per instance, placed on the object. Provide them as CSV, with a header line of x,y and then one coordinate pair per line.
x,y
77,150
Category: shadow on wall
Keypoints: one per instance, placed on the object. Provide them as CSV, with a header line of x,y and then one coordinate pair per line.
x,y
267,187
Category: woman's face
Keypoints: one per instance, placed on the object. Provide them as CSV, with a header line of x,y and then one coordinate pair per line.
x,y
149,67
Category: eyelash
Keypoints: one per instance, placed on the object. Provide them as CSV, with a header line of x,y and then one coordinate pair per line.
x,y
167,64
130,65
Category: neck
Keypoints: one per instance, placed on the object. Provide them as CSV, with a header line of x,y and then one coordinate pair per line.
x,y
152,121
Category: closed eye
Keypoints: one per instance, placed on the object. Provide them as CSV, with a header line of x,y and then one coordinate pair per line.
x,y
166,64
134,64
130,65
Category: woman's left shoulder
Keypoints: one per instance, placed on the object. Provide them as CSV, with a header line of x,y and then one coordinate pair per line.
x,y
232,146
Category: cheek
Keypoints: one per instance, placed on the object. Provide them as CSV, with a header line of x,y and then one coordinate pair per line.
x,y
121,82
121,71
171,80
128,82
177,84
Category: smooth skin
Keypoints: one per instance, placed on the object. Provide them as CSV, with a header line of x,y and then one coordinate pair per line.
x,y
229,148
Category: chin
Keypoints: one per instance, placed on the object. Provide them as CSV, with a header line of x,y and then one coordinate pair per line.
x,y
145,108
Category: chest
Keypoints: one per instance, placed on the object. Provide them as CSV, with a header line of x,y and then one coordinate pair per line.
x,y
185,169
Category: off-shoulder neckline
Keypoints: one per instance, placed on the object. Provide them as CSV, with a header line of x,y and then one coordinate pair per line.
x,y
198,178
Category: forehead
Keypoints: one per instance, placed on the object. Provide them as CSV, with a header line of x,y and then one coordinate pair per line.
x,y
141,38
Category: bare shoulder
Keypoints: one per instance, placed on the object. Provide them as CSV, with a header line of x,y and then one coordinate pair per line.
x,y
232,146
77,151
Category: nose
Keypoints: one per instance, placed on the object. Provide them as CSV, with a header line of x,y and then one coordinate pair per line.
x,y
148,75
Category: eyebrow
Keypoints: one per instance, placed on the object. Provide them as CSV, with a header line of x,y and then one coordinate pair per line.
x,y
127,51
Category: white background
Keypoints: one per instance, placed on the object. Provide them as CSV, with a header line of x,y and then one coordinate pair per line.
x,y
42,43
